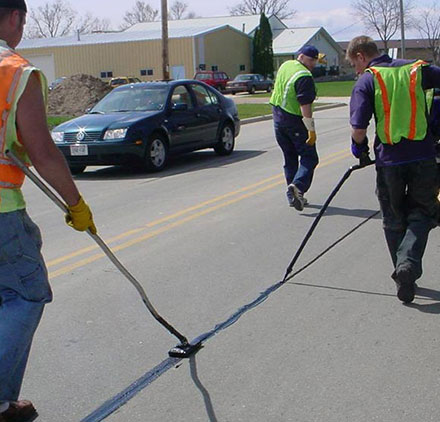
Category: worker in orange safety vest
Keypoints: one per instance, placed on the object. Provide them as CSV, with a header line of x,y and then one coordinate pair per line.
x,y
24,286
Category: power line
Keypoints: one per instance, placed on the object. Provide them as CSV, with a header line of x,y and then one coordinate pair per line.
x,y
347,27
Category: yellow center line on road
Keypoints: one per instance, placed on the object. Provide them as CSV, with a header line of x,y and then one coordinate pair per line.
x,y
337,157
164,219
162,230
177,214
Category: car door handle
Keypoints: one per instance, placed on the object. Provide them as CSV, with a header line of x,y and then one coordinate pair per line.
x,y
181,127
197,114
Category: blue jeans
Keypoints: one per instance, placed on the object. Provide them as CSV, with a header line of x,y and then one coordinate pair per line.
x,y
24,289
407,195
300,159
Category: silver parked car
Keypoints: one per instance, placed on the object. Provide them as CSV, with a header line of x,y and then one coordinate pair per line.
x,y
250,82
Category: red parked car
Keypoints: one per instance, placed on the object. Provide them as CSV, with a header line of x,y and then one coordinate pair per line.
x,y
216,78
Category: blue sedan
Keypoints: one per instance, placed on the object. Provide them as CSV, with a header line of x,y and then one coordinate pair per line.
x,y
142,124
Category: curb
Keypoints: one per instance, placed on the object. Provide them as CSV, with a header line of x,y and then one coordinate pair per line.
x,y
269,116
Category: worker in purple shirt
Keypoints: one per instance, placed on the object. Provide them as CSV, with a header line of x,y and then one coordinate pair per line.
x,y
292,97
393,91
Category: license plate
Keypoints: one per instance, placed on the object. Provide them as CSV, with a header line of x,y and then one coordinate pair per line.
x,y
79,150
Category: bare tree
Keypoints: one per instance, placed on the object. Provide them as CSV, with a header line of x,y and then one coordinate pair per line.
x,y
57,19
178,9
381,16
428,25
191,15
280,8
88,23
141,12
51,20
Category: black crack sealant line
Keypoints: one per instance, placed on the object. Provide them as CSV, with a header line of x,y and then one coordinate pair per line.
x,y
185,349
113,404
182,350
110,406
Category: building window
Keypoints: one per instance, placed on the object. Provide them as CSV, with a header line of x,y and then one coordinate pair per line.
x,y
214,68
242,67
108,74
145,72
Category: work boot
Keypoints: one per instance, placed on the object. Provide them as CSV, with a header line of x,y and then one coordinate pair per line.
x,y
19,411
405,284
298,200
290,199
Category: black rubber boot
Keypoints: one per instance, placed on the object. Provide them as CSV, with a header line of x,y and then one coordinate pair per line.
x,y
406,284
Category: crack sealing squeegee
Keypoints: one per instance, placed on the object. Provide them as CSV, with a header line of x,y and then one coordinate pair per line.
x,y
183,350
364,161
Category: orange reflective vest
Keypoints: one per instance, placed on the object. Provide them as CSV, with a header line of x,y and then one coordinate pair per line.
x,y
400,103
14,75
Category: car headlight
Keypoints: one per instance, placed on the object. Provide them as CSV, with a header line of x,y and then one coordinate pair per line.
x,y
57,137
115,133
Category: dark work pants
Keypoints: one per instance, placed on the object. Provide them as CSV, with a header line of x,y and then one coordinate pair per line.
x,y
407,195
24,290
300,159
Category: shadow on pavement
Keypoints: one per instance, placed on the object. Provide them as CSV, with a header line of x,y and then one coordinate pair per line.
x,y
422,294
426,294
343,289
341,211
177,165
203,390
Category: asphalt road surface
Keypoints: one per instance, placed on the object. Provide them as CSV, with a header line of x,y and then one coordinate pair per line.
x,y
205,238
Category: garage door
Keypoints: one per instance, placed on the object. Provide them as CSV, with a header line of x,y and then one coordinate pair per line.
x,y
46,64
178,72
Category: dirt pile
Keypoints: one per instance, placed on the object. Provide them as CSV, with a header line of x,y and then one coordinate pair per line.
x,y
75,94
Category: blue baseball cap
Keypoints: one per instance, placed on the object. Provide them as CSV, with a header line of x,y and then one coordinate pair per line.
x,y
309,51
14,4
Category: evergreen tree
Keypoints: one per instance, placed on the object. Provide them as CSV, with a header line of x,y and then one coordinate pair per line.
x,y
256,52
263,52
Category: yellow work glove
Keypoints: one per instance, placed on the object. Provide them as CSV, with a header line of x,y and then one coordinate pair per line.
x,y
80,217
309,123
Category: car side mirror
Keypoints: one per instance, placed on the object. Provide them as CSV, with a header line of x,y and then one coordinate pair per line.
x,y
88,110
179,107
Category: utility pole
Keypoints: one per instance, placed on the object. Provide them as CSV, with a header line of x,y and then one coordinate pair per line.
x,y
165,62
402,30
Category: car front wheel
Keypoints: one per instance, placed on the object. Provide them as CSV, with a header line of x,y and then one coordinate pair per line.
x,y
252,90
269,88
226,142
76,169
156,156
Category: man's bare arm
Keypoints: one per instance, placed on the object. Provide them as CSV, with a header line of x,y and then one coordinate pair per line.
x,y
358,135
45,156
306,110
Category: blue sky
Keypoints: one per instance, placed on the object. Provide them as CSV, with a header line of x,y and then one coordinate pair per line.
x,y
334,15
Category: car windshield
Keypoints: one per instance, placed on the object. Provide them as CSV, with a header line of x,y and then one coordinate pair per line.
x,y
243,78
203,76
133,98
119,81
